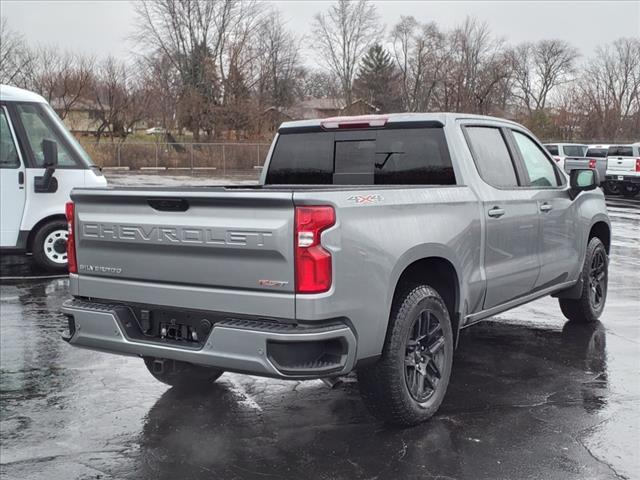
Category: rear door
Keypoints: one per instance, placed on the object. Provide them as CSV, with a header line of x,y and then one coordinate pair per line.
x,y
559,256
511,214
12,181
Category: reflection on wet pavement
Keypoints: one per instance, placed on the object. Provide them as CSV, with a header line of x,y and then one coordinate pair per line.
x,y
531,397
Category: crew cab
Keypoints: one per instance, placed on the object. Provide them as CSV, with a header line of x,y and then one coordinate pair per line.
x,y
40,162
367,245
623,169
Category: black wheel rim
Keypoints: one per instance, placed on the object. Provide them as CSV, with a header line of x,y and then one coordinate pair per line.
x,y
424,356
598,279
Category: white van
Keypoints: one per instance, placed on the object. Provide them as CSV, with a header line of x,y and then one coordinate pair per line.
x,y
40,162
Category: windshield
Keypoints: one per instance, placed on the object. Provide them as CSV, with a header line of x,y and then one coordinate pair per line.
x,y
552,149
40,123
620,151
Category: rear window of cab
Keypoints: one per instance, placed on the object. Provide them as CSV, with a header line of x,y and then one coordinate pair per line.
x,y
398,156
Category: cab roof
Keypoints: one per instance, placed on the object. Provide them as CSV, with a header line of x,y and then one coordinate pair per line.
x,y
15,94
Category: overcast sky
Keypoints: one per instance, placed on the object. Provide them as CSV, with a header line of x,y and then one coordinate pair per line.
x,y
101,28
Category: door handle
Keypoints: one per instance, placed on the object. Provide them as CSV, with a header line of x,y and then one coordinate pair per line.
x,y
545,207
20,178
496,212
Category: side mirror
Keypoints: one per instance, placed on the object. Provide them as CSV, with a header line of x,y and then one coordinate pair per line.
x,y
47,183
50,152
581,180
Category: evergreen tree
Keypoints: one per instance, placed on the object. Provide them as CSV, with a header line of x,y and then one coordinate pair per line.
x,y
377,80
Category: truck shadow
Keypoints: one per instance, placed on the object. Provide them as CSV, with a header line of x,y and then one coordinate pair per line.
x,y
509,384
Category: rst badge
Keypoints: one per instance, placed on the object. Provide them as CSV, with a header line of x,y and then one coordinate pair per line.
x,y
365,199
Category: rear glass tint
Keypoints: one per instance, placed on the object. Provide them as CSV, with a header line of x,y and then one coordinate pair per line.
x,y
492,156
574,150
620,151
401,156
552,149
596,153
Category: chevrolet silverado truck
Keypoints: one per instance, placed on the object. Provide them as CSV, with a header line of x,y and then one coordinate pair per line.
x,y
367,245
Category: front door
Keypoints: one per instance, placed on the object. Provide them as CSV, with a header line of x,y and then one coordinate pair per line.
x,y
559,248
12,184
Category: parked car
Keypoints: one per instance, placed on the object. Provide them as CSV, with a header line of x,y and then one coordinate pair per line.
x,y
595,158
560,151
368,244
40,162
623,170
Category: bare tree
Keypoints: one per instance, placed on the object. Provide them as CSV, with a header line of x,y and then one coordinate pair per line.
x,y
344,33
539,68
61,78
16,59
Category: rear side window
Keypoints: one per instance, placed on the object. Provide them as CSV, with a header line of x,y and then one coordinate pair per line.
x,y
402,156
574,150
620,151
596,153
552,149
492,156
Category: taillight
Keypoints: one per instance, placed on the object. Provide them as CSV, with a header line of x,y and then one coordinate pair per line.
x,y
592,164
313,262
637,164
72,264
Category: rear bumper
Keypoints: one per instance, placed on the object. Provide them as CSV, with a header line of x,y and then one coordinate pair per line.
x,y
255,347
622,177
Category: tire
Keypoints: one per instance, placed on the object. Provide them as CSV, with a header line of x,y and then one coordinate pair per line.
x,y
629,190
181,375
385,385
595,277
49,247
611,188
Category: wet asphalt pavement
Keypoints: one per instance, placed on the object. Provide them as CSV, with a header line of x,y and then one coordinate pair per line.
x,y
530,397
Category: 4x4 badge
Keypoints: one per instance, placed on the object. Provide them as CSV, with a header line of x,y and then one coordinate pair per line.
x,y
365,199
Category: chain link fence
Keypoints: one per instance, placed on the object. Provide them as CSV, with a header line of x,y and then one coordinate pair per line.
x,y
217,158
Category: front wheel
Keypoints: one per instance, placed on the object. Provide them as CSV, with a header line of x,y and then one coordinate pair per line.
x,y
181,374
407,385
49,246
595,278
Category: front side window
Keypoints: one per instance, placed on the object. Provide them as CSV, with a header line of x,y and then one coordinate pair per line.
x,y
541,171
400,156
492,156
41,123
8,152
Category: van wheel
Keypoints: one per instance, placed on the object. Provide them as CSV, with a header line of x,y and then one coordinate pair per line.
x,y
595,277
407,385
49,246
181,374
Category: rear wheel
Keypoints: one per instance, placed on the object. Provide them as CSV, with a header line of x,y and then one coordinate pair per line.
x,y
611,188
407,385
590,305
630,190
49,246
181,374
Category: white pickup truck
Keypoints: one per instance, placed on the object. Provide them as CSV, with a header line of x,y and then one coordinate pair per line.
x,y
623,170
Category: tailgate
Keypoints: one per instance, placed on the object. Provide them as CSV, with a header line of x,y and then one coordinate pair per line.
x,y
225,250
573,163
621,164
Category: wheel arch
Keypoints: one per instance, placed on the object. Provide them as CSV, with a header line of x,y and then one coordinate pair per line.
x,y
39,225
440,273
601,230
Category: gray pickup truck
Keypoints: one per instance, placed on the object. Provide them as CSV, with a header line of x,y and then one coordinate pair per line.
x,y
367,245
